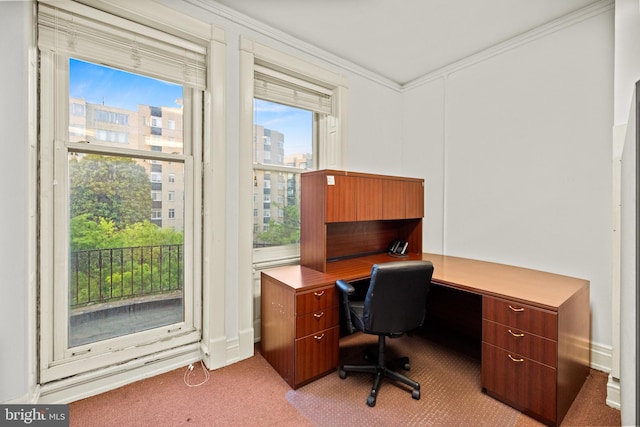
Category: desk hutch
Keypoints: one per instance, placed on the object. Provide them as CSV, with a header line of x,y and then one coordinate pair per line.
x,y
535,325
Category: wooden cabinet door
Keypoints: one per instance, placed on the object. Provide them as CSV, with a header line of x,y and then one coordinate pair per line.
x,y
414,199
316,355
402,199
522,383
341,200
393,199
369,199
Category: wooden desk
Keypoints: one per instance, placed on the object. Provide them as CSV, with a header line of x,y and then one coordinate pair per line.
x,y
535,326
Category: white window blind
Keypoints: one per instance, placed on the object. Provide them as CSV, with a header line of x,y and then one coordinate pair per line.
x,y
95,35
274,86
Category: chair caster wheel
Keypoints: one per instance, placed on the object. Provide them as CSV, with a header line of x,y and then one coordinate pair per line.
x,y
342,373
371,401
415,394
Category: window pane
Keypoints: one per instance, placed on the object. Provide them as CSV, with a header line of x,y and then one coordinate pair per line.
x,y
122,109
126,260
126,234
283,136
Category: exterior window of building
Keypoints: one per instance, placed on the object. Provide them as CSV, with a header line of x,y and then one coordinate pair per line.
x,y
112,117
171,177
285,132
76,109
109,256
171,196
111,136
297,127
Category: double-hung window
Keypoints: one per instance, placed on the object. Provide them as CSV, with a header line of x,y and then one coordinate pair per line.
x,y
121,134
296,112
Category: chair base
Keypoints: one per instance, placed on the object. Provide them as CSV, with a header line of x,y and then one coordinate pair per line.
x,y
381,370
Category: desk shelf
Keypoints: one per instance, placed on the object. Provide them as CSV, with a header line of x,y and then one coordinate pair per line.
x,y
345,214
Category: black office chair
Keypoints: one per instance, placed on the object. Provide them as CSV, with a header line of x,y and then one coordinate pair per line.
x,y
395,304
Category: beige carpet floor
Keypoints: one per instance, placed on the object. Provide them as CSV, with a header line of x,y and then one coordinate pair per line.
x,y
449,383
251,393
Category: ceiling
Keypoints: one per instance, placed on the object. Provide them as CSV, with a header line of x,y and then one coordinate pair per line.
x,y
402,40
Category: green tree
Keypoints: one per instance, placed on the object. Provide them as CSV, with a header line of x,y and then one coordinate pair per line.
x,y
116,189
148,234
87,234
285,232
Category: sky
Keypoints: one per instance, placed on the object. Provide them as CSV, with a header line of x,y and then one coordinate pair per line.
x,y
296,124
98,84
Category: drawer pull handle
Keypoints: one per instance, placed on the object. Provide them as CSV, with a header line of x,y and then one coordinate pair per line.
x,y
318,337
516,360
516,309
515,334
318,315
318,294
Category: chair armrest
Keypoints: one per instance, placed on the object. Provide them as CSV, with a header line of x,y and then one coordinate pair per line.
x,y
345,287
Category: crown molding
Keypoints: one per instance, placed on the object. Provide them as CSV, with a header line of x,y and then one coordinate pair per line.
x,y
587,12
551,27
290,41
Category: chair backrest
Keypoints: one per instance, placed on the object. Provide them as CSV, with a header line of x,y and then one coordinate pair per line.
x,y
397,297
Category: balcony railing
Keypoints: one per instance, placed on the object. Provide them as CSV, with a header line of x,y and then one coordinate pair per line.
x,y
107,275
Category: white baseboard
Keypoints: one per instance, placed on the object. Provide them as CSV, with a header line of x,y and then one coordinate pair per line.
x,y
602,360
601,357
613,392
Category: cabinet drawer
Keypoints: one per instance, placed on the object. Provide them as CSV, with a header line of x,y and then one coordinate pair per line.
x,y
317,300
520,382
316,321
523,317
316,354
524,343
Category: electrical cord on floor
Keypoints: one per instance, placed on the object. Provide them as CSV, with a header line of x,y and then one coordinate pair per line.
x,y
189,373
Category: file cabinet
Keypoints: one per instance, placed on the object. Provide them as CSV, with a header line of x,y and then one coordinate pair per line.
x,y
528,358
299,328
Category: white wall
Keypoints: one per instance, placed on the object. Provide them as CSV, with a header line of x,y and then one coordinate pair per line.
x,y
424,115
627,72
515,147
14,215
627,57
375,134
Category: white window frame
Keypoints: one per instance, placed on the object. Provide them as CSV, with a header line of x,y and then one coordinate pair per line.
x,y
330,149
108,357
